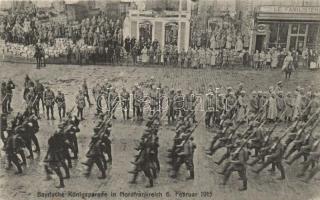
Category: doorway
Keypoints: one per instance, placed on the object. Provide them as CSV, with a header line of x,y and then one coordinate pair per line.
x,y
260,42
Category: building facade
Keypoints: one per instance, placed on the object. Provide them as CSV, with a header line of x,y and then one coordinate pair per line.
x,y
290,25
165,26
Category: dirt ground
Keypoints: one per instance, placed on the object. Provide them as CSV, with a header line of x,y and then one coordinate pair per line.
x,y
125,136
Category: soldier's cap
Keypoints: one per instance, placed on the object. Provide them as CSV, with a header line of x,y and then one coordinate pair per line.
x,y
259,92
221,95
242,92
210,93
183,135
254,92
229,88
279,83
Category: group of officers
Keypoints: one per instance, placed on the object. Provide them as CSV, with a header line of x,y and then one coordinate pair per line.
x,y
245,135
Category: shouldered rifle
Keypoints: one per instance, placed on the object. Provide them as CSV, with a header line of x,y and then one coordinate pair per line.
x,y
300,131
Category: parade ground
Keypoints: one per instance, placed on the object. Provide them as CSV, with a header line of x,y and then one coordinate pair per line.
x,y
125,136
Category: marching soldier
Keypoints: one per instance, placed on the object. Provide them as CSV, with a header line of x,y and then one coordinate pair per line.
x,y
238,164
60,100
54,158
14,145
125,103
81,103
276,153
95,155
3,127
48,97
185,156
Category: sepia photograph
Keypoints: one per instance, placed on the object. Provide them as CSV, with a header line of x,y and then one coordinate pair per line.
x,y
160,99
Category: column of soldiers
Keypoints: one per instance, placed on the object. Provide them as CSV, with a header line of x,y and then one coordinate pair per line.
x,y
147,160
18,134
268,149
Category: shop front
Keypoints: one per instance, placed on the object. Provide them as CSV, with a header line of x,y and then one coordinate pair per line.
x,y
285,27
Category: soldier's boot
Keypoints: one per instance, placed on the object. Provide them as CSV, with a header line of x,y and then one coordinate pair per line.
x,y
150,183
23,157
191,176
273,168
244,185
66,168
36,143
257,171
17,164
59,174
48,173
101,168
281,169
47,114
304,169
128,117
312,173
124,116
226,177
52,115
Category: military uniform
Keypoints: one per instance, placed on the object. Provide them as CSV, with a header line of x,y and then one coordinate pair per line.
x,y
171,109
238,164
48,97
276,153
60,100
86,92
125,103
10,87
81,103
39,90
209,108
179,104
139,103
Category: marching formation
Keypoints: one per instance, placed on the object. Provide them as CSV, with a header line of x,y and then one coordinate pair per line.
x,y
248,131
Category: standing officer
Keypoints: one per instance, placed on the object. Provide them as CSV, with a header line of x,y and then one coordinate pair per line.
x,y
10,87
125,103
81,103
209,107
48,97
39,90
85,91
171,109
60,100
